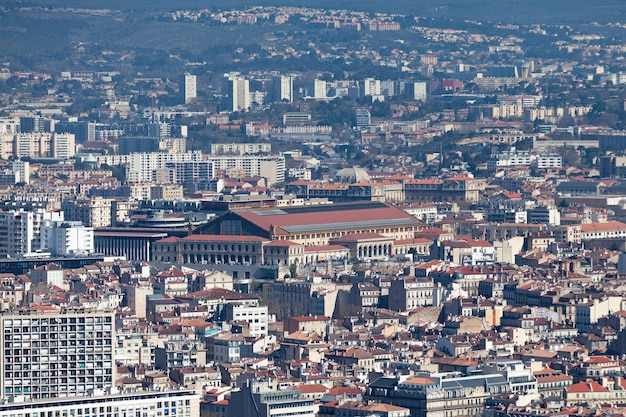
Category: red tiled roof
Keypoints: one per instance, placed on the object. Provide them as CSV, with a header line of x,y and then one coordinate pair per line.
x,y
587,386
355,237
602,227
311,388
325,248
420,381
225,238
310,318
599,359
325,216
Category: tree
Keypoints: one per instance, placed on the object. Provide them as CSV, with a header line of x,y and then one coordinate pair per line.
x,y
293,270
381,109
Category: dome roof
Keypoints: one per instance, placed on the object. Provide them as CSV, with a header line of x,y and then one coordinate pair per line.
x,y
90,159
352,175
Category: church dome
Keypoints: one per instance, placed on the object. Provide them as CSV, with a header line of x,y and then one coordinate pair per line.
x,y
351,175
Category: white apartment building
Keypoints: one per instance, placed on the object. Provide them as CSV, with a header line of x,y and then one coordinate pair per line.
x,y
509,159
180,403
299,173
37,145
549,161
65,238
56,354
63,145
20,230
283,88
254,315
9,125
21,170
16,232
188,88
237,89
420,90
141,165
191,170
240,148
371,87
270,167
320,89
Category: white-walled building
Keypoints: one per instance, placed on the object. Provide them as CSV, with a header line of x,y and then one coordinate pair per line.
x,y
549,161
420,90
237,89
21,170
50,274
188,88
37,145
319,89
254,315
270,167
141,165
283,88
79,331
64,238
240,148
20,230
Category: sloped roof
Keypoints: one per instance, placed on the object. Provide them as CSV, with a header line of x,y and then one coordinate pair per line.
x,y
332,218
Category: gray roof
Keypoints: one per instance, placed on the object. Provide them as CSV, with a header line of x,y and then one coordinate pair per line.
x,y
473,381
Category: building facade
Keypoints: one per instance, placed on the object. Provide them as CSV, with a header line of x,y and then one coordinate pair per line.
x,y
56,354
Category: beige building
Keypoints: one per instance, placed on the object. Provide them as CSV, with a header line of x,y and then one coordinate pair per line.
x,y
214,249
37,145
283,253
297,297
135,297
409,293
591,392
94,212
169,192
308,324
319,225
437,395
459,189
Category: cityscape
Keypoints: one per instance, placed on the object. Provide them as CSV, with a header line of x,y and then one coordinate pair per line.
x,y
312,209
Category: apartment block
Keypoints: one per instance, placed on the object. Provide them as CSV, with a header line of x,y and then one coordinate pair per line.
x,y
52,354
